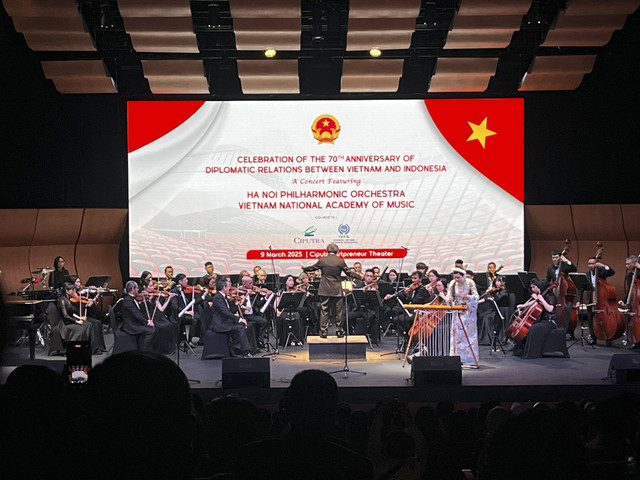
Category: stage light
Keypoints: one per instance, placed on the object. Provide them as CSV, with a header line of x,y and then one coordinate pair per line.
x,y
375,52
106,17
270,52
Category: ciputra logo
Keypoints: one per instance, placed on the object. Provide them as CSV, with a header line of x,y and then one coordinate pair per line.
x,y
310,231
325,128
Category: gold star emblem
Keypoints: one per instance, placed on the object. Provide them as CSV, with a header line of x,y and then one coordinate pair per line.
x,y
325,123
480,132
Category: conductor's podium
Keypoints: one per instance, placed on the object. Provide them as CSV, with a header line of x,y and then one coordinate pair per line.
x,y
333,347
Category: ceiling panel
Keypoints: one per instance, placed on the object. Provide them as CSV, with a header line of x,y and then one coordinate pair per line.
x,y
462,74
79,76
560,72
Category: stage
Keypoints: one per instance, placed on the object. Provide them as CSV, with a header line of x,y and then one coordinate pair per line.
x,y
499,377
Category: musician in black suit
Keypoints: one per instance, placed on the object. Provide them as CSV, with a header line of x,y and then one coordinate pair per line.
x,y
331,266
631,263
559,263
223,320
596,270
415,294
134,322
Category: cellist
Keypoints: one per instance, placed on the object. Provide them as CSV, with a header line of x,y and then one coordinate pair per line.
x,y
596,270
533,343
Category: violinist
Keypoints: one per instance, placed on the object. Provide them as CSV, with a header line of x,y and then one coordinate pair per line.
x,y
254,300
75,327
491,274
376,273
464,328
559,263
492,307
422,268
134,321
153,303
88,310
184,294
440,295
366,319
291,319
223,320
596,269
533,343
209,272
415,294
432,278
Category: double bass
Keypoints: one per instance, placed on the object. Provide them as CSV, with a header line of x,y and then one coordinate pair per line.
x,y
608,321
633,308
521,325
566,292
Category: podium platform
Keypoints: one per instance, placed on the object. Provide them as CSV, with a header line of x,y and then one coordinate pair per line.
x,y
332,347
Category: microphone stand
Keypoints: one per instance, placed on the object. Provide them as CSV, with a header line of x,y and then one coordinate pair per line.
x,y
276,347
345,369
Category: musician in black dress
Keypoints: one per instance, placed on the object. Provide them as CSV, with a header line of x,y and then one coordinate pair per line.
x,y
153,306
596,270
490,314
74,326
559,263
59,274
532,345
90,312
289,320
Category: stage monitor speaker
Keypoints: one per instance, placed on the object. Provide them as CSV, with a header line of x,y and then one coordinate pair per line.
x,y
625,368
246,372
426,371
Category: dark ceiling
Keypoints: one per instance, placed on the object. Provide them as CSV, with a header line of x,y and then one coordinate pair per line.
x,y
215,48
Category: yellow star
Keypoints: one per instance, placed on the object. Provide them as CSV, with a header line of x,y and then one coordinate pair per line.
x,y
325,123
480,132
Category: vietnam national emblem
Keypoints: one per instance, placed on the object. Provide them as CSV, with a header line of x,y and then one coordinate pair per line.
x,y
325,129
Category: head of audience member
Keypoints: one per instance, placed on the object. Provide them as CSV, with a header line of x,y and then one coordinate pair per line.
x,y
168,272
262,276
139,418
208,267
311,401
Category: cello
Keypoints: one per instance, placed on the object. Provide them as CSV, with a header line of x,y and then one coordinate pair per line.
x,y
566,292
520,326
632,305
608,321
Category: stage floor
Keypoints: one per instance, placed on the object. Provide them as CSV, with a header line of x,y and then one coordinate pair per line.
x,y
499,377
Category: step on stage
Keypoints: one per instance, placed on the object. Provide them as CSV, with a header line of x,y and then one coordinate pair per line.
x,y
500,377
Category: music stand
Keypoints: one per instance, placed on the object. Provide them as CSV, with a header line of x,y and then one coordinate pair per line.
x,y
345,368
289,302
581,282
101,281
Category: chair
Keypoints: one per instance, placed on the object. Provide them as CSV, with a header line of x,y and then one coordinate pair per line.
x,y
555,343
56,340
122,341
216,345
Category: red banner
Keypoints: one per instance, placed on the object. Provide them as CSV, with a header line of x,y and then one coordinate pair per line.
x,y
348,253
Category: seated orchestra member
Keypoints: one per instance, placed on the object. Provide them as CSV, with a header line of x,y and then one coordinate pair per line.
x,y
165,338
491,312
223,320
533,343
178,303
391,308
595,270
491,274
470,275
432,278
59,274
464,328
134,322
357,269
241,275
254,300
256,269
209,272
88,307
365,319
391,276
414,294
376,273
459,263
310,311
440,292
75,327
422,268
560,263
169,282
291,319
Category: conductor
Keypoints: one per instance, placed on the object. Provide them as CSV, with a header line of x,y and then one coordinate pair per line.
x,y
330,289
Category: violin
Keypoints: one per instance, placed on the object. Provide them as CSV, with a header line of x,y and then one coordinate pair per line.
x,y
193,289
371,286
490,292
262,291
75,298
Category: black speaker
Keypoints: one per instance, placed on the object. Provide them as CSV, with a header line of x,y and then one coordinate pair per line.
x,y
436,371
625,368
246,372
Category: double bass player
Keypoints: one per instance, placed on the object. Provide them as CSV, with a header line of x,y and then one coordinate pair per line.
x,y
596,269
